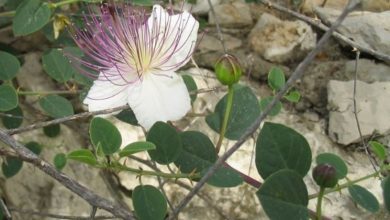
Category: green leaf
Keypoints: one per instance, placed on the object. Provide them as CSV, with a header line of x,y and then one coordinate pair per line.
x,y
30,16
244,112
136,147
167,141
276,79
378,149
104,133
127,116
335,161
266,101
58,66
142,2
84,156
149,203
283,195
56,106
60,161
8,98
279,147
364,198
52,130
386,192
13,118
198,152
9,66
224,177
293,96
11,166
191,86
33,146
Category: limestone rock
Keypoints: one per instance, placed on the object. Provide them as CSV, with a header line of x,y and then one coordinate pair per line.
x,y
372,107
375,5
368,71
308,5
235,14
201,7
368,29
212,43
281,41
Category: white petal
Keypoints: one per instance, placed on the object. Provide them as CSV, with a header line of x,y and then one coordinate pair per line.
x,y
177,36
108,91
160,96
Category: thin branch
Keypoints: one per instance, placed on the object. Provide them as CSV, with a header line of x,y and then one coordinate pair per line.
x,y
5,210
56,216
299,71
85,193
217,26
355,112
318,24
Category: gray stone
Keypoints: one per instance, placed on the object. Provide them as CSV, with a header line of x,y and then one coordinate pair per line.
x,y
375,5
235,14
368,71
368,29
372,108
212,43
281,41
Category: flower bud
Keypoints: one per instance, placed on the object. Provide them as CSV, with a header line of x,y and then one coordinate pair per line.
x,y
228,69
325,175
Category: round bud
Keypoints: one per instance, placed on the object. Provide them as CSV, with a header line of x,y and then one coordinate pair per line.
x,y
228,69
325,175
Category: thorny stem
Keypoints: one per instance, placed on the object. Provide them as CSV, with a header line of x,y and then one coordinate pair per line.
x,y
319,203
226,117
141,172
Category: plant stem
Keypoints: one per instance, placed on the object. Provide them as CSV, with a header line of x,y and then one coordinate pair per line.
x,y
319,203
154,173
229,105
7,13
47,92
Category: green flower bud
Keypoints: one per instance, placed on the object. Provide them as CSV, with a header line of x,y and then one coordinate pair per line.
x,y
228,69
325,175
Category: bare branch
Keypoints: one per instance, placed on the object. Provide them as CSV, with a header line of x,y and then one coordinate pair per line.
x,y
85,193
318,24
299,71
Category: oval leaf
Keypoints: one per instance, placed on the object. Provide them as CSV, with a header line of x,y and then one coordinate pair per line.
x,y
11,166
127,116
283,195
280,147
293,96
364,198
8,98
276,79
386,192
378,149
149,203
9,66
224,177
84,156
57,66
198,152
335,161
13,118
136,147
244,112
52,130
266,101
30,16
167,141
35,147
60,161
56,106
104,133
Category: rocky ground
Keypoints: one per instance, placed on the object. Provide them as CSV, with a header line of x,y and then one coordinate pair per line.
x,y
261,37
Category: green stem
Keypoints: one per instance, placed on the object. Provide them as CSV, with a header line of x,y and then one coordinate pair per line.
x,y
319,203
154,173
226,117
7,13
47,92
